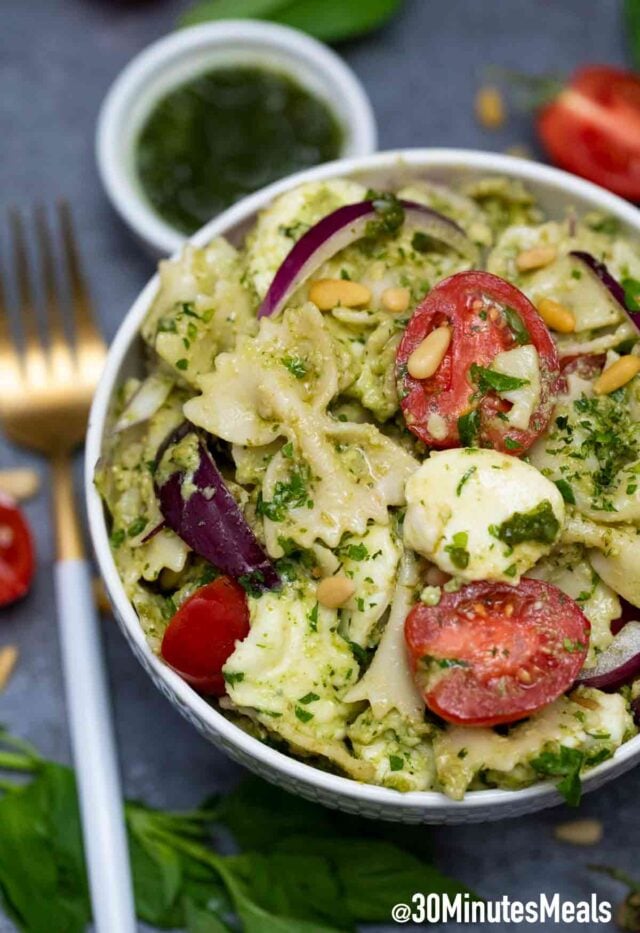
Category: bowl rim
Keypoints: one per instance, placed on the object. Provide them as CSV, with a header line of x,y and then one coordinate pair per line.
x,y
143,71
499,801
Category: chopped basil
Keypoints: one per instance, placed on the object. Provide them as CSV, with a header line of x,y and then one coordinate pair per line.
x,y
464,479
233,678
457,550
488,379
117,537
631,294
468,428
137,527
182,364
308,698
515,324
566,491
303,714
396,763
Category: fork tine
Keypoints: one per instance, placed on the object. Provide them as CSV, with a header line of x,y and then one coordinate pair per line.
x,y
60,357
90,346
10,374
34,357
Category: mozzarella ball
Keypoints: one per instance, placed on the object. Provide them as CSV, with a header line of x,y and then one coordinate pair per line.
x,y
481,515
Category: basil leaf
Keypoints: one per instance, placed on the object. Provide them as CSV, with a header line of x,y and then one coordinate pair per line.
x,y
488,379
327,20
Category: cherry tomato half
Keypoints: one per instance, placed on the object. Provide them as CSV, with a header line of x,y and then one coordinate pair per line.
x,y
493,653
16,553
592,128
487,316
203,633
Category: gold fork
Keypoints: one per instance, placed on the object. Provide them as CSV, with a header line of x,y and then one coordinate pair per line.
x,y
45,394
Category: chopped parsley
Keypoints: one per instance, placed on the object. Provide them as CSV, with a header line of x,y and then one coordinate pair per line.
x,y
296,366
396,763
286,495
565,764
539,524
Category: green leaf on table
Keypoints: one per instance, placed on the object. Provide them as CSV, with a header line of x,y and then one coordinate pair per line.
x,y
257,813
372,874
632,23
207,10
303,869
42,874
327,20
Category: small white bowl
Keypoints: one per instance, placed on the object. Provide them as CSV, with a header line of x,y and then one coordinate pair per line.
x,y
556,191
176,59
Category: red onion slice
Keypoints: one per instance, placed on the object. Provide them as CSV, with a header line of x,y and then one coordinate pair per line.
x,y
343,227
611,284
618,664
202,511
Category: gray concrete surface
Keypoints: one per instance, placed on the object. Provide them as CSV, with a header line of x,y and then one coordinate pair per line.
x,y
57,58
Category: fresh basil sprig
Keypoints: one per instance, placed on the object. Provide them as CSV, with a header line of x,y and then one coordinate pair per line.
x,y
299,868
328,20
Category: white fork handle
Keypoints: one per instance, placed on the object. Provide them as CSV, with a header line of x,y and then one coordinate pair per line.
x,y
94,751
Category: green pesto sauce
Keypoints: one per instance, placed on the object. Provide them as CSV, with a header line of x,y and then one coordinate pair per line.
x,y
226,134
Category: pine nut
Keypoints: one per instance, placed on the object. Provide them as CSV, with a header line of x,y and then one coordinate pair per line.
x,y
8,661
535,258
395,300
19,484
579,832
428,355
585,702
556,316
617,375
327,294
490,109
334,591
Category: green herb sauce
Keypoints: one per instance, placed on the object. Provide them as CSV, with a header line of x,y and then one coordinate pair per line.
x,y
226,134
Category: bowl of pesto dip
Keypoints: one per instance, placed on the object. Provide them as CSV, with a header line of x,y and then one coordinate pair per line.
x,y
210,114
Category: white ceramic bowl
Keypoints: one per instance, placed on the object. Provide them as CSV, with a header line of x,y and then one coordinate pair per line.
x,y
183,55
556,191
